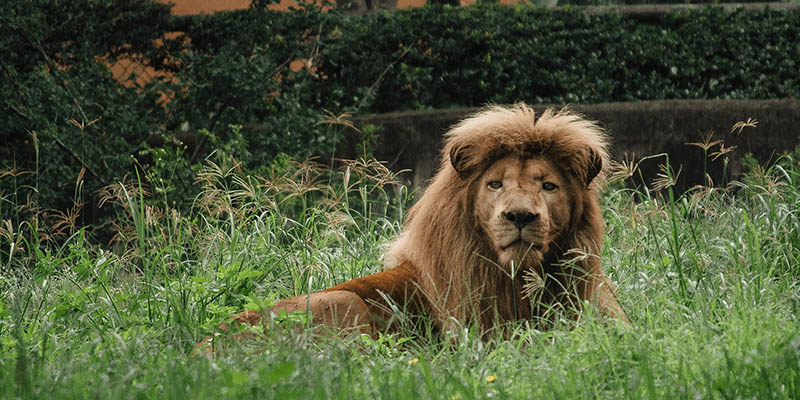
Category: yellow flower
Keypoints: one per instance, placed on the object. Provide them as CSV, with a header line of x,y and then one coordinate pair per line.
x,y
413,361
490,378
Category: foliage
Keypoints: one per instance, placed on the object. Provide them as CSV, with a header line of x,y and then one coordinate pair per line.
x,y
65,31
236,68
68,127
256,83
444,57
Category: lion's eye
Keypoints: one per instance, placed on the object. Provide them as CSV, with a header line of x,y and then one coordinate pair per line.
x,y
549,186
494,185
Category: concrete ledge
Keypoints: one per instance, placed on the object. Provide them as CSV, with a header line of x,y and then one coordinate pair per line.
x,y
412,140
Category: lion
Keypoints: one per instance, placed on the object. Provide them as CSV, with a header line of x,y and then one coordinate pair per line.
x,y
508,229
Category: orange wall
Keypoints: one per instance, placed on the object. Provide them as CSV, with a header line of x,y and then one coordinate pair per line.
x,y
183,7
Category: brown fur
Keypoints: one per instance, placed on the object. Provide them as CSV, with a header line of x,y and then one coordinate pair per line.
x,y
443,265
453,263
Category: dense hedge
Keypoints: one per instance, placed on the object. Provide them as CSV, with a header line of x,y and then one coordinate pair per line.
x,y
469,56
68,128
62,110
444,57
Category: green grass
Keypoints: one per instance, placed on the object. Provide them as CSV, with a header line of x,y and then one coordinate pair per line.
x,y
709,279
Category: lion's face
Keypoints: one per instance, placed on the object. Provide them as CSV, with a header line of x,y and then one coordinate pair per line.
x,y
522,205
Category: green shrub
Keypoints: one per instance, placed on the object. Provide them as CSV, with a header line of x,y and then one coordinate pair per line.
x,y
69,128
444,57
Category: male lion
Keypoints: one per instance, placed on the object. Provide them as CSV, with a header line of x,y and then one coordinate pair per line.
x,y
509,228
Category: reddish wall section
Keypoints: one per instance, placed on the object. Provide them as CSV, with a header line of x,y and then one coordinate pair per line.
x,y
183,7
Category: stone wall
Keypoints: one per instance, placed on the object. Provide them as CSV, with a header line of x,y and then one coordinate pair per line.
x,y
412,140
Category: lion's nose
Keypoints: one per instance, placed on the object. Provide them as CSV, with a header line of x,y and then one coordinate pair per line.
x,y
520,218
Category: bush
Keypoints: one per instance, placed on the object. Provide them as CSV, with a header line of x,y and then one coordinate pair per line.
x,y
68,127
442,56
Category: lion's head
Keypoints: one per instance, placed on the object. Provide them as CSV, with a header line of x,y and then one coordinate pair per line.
x,y
513,195
522,206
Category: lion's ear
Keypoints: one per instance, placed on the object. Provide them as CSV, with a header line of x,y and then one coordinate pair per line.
x,y
460,160
594,164
588,166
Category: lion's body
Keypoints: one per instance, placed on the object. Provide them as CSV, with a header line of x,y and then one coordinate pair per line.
x,y
509,228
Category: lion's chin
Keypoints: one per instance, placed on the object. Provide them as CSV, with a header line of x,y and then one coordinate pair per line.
x,y
519,255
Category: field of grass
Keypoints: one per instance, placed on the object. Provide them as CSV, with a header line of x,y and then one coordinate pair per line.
x,y
709,279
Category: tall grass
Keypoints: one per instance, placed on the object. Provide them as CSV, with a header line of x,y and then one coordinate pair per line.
x,y
709,278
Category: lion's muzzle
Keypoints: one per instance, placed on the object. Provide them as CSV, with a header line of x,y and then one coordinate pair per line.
x,y
520,218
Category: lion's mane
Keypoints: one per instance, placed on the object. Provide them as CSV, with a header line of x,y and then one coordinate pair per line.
x,y
452,260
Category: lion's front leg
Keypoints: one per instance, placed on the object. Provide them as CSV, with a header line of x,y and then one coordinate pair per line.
x,y
340,309
363,304
605,299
